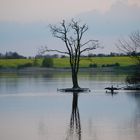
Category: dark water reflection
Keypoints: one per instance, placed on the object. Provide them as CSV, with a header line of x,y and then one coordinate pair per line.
x,y
75,124
32,109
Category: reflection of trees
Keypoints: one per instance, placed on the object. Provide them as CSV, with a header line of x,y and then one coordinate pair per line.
x,y
9,83
134,78
135,123
75,125
42,130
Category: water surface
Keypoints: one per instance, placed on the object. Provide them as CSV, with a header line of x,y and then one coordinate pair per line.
x,y
32,109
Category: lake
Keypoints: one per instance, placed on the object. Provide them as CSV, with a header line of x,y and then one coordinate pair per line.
x,y
31,108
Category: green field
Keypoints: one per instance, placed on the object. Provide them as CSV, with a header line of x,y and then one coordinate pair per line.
x,y
64,62
13,63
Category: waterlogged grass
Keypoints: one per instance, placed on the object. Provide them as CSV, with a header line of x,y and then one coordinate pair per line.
x,y
64,62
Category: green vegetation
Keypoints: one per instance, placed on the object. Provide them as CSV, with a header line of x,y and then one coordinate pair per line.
x,y
47,62
14,63
24,65
64,62
122,61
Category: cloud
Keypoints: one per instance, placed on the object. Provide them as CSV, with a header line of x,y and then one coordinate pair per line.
x,y
120,19
50,10
107,24
134,2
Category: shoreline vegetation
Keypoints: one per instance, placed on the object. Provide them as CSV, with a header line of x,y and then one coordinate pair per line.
x,y
96,64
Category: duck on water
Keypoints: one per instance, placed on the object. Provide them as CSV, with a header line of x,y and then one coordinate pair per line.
x,y
112,89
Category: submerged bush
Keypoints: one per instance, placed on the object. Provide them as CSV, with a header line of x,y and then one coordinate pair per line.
x,y
47,62
1,66
111,65
93,65
35,62
25,65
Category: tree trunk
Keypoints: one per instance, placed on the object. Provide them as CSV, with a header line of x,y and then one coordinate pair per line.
x,y
75,79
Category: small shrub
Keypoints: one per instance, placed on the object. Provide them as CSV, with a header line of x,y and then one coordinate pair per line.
x,y
24,65
1,66
111,65
93,65
47,62
103,65
35,62
117,64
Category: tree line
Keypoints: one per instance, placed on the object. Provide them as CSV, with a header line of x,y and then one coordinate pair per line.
x,y
11,55
16,55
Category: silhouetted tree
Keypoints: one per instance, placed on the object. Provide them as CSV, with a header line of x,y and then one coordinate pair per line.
x,y
131,47
71,34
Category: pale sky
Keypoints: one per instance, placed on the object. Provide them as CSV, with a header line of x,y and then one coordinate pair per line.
x,y
23,23
34,10
51,10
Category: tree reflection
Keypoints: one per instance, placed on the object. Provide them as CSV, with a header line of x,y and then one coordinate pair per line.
x,y
134,79
74,131
135,123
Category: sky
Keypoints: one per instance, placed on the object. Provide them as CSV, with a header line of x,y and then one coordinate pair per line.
x,y
24,23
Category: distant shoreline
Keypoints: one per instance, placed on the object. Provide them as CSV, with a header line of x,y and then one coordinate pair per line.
x,y
45,70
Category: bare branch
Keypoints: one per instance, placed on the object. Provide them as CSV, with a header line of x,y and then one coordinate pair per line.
x,y
88,49
89,41
123,46
83,29
44,50
92,44
131,46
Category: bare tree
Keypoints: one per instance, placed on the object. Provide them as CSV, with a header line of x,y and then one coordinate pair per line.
x,y
131,46
71,34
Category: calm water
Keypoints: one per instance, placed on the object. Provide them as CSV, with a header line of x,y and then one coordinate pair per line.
x,y
32,109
